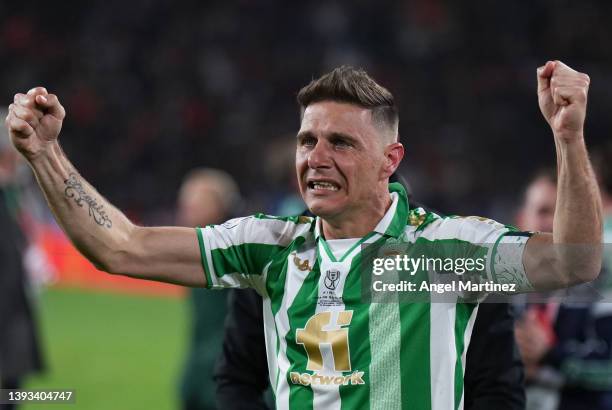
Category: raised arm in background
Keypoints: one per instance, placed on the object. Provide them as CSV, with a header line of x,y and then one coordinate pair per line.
x,y
99,230
575,254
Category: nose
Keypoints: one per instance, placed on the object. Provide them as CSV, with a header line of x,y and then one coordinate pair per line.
x,y
319,156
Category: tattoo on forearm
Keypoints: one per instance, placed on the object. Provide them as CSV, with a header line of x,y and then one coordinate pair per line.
x,y
74,189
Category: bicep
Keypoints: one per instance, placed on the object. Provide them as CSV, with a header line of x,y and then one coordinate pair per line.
x,y
165,254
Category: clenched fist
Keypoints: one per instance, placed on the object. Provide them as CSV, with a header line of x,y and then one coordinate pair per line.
x,y
34,121
562,95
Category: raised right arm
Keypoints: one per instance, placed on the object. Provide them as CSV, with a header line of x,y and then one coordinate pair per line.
x,y
99,230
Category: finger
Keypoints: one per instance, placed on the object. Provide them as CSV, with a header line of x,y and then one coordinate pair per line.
x,y
563,96
19,127
544,73
37,112
37,90
569,81
18,98
52,105
26,115
24,100
561,67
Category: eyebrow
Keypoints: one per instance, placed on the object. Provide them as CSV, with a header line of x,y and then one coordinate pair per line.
x,y
304,134
333,135
341,135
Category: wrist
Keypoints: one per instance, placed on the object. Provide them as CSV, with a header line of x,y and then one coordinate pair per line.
x,y
49,151
568,137
50,161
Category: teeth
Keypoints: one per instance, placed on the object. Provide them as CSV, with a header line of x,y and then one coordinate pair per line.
x,y
324,185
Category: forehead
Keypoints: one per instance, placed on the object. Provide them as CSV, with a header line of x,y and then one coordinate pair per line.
x,y
542,193
326,117
197,187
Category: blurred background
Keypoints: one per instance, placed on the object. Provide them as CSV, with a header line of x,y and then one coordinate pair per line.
x,y
154,89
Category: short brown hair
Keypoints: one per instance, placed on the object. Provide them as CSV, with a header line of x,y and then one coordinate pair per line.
x,y
354,86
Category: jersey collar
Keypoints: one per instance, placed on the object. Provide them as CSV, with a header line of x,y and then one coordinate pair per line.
x,y
394,221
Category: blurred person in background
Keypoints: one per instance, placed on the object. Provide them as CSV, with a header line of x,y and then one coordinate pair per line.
x,y
207,196
566,342
20,354
602,163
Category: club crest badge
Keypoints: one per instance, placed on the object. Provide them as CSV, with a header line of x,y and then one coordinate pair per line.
x,y
303,265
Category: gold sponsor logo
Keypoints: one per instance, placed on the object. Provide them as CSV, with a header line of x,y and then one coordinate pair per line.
x,y
313,335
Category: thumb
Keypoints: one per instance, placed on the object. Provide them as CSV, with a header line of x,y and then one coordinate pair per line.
x,y
51,105
544,75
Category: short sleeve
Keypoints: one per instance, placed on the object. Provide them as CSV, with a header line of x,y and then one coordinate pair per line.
x,y
507,261
235,254
502,246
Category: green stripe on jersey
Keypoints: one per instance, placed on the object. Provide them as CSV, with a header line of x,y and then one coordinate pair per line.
x,y
414,357
462,316
243,258
204,260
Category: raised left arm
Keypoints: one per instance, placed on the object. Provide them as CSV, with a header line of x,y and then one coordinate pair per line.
x,y
572,253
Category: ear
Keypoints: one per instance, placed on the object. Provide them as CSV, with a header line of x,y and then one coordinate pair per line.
x,y
393,156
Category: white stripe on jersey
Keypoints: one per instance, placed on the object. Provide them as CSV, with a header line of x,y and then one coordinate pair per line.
x,y
385,351
293,282
443,354
467,336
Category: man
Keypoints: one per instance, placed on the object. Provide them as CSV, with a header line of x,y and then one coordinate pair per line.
x,y
207,196
566,343
326,347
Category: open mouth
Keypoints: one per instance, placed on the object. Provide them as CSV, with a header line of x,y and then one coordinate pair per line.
x,y
322,186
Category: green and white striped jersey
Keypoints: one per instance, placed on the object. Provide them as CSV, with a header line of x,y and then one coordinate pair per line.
x,y
328,348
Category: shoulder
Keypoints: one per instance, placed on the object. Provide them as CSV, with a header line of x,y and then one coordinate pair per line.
x,y
473,229
268,229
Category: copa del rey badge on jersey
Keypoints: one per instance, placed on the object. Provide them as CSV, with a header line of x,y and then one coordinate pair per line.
x,y
332,277
331,283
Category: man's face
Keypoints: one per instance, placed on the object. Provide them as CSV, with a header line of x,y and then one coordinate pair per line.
x,y
539,209
339,158
199,204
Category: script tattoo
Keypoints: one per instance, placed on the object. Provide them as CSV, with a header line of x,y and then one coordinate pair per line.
x,y
74,189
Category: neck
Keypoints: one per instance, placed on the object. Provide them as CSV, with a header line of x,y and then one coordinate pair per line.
x,y
359,223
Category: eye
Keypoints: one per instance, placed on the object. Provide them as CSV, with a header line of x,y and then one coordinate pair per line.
x,y
308,142
341,143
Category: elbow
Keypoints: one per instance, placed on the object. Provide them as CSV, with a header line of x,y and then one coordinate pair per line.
x,y
110,263
118,258
116,263
583,266
587,272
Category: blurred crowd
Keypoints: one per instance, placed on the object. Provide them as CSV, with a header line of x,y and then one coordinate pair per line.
x,y
155,88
